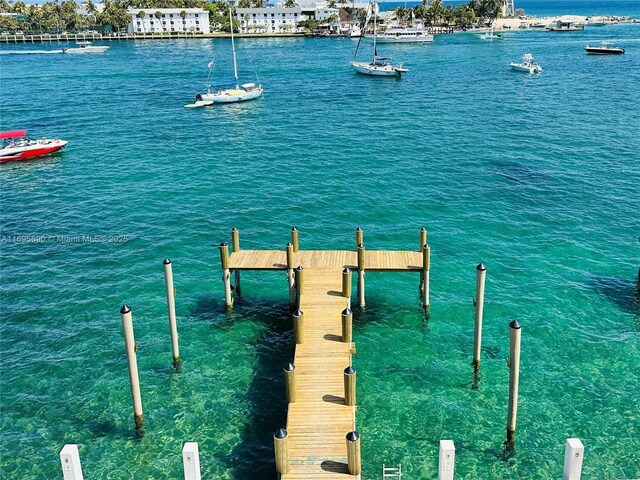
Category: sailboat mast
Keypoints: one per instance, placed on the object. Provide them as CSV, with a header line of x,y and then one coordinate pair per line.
x,y
233,48
375,17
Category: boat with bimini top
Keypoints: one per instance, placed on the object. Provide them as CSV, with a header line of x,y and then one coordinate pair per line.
x,y
229,93
527,65
17,145
86,47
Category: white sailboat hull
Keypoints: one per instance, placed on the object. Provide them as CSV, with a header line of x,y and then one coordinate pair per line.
x,y
378,70
231,95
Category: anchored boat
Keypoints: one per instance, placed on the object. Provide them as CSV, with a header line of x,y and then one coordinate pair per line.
x,y
16,145
402,34
230,93
527,65
379,66
605,48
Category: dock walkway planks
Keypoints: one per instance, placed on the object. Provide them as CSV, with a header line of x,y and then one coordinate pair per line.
x,y
375,260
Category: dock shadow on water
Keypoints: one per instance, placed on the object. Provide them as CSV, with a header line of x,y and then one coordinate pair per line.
x,y
252,457
624,292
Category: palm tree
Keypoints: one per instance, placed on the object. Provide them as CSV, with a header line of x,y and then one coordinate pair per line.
x,y
183,15
141,16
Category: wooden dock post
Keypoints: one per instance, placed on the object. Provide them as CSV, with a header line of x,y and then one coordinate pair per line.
x,y
130,347
290,382
235,241
294,239
447,458
426,267
478,302
361,275
346,285
171,307
226,274
290,275
298,326
349,386
191,461
359,236
70,460
281,451
573,456
299,285
347,326
515,332
423,242
354,461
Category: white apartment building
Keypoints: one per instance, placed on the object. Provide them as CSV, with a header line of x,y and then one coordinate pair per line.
x,y
269,20
168,20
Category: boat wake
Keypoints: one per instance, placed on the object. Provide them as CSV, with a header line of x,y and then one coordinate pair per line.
x,y
30,52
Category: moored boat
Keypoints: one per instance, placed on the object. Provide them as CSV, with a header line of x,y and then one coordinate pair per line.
x,y
527,65
562,26
16,145
490,35
605,48
402,34
86,47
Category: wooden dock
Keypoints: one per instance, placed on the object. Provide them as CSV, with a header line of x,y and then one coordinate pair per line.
x,y
315,445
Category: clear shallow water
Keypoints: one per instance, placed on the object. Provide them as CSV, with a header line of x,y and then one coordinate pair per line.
x,y
537,177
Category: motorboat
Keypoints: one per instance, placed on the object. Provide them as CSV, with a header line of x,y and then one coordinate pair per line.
x,y
86,47
490,35
403,34
527,65
16,145
605,48
229,93
379,66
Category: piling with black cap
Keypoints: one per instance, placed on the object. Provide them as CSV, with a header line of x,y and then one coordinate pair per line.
x,y
281,451
354,462
298,326
349,386
130,347
290,382
423,242
299,277
426,267
294,239
346,285
347,326
226,274
171,308
290,275
361,275
359,236
515,332
235,241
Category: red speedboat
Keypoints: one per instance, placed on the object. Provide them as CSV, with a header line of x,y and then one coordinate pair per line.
x,y
16,145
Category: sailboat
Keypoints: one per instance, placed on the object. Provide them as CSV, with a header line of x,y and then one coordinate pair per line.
x,y
230,93
379,66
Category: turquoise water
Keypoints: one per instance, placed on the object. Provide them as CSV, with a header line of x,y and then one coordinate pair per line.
x,y
537,177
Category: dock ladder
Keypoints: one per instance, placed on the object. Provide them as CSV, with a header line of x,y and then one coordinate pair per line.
x,y
392,472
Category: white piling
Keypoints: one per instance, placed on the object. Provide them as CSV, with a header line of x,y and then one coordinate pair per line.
x,y
130,346
191,461
426,267
481,273
290,275
70,460
171,307
235,241
361,251
447,460
514,378
573,455
226,274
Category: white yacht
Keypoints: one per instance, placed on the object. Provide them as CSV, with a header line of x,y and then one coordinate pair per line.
x,y
402,34
86,47
527,65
